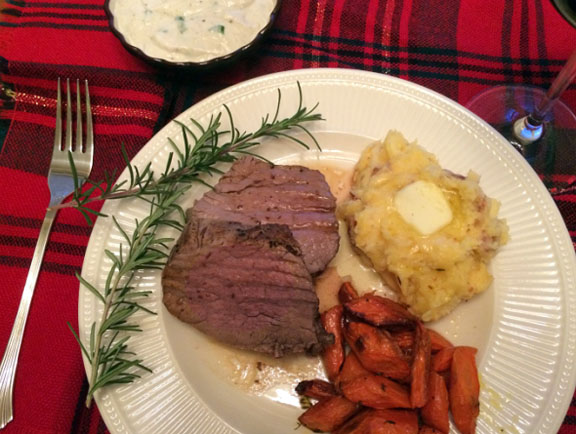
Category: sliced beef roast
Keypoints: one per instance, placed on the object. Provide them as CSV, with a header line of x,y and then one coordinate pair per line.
x,y
253,192
245,285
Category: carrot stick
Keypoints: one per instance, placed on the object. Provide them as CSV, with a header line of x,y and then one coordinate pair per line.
x,y
347,293
328,414
351,369
442,360
405,340
316,389
333,355
380,311
357,424
436,411
381,422
438,341
376,391
464,389
424,429
377,350
420,368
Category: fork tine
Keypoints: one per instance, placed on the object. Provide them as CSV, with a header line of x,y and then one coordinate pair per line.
x,y
58,132
78,143
68,139
89,128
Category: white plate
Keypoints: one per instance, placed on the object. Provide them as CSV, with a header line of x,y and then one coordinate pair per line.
x,y
524,325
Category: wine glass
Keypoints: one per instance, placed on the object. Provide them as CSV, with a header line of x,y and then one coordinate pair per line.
x,y
537,123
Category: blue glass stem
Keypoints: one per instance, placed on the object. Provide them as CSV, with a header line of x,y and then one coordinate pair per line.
x,y
558,86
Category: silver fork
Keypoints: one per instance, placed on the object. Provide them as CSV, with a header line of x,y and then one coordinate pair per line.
x,y
61,184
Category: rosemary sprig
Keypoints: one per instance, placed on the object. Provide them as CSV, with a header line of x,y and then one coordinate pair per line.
x,y
202,148
197,159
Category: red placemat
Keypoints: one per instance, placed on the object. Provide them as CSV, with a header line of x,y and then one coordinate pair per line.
x,y
455,48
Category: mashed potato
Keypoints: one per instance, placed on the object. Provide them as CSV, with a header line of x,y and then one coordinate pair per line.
x,y
430,233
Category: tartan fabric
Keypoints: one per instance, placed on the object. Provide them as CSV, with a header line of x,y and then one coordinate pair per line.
x,y
457,48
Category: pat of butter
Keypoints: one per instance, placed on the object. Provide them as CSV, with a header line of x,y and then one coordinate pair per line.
x,y
423,205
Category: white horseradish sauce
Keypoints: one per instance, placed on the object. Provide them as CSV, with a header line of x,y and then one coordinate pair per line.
x,y
190,30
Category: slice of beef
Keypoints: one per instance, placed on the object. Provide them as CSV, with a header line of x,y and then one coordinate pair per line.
x,y
254,191
246,286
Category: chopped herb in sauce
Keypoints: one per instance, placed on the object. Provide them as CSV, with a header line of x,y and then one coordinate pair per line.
x,y
305,402
219,28
181,23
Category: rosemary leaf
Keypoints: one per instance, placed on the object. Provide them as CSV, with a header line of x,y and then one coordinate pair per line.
x,y
91,288
82,347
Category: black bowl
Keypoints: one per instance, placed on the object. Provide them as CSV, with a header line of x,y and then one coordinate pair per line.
x,y
568,10
213,63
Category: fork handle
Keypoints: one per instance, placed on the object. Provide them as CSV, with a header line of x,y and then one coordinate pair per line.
x,y
10,359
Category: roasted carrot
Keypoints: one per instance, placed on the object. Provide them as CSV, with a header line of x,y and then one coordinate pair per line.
x,y
428,430
464,389
380,311
442,360
377,350
316,389
446,376
356,424
333,355
420,367
438,341
351,369
404,339
397,373
376,391
328,414
381,422
436,411
347,293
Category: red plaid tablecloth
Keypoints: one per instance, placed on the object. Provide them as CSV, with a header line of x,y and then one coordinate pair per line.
x,y
454,47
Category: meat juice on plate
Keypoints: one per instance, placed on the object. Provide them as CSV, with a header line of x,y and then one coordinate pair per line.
x,y
346,262
262,375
